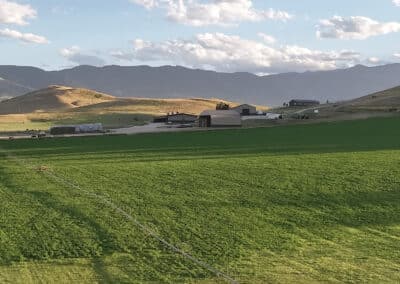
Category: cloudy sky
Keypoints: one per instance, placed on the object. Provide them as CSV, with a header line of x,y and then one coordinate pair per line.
x,y
258,36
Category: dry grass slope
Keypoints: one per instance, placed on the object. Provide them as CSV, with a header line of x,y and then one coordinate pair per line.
x,y
152,106
388,100
382,104
53,98
66,105
60,98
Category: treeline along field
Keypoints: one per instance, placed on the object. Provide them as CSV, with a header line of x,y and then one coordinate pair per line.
x,y
312,203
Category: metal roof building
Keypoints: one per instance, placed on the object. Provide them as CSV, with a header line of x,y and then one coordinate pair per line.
x,y
219,118
76,129
181,118
245,109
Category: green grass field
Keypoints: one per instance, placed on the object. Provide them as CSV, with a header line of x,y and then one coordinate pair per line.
x,y
298,204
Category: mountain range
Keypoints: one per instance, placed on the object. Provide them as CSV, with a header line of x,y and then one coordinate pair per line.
x,y
181,82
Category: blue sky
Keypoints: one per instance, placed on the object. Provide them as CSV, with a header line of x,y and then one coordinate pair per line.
x,y
224,35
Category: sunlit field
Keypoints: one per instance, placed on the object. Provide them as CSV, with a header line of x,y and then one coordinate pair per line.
x,y
303,204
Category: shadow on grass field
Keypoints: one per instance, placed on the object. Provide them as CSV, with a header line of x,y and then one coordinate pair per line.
x,y
312,203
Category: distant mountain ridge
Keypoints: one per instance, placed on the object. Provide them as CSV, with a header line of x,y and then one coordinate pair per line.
x,y
11,89
181,82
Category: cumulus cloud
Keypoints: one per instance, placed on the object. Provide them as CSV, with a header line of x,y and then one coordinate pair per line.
x,y
231,53
396,3
397,55
374,60
267,38
14,13
148,4
25,37
356,27
214,12
122,55
76,56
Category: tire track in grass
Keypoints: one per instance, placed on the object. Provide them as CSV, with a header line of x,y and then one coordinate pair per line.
x,y
61,179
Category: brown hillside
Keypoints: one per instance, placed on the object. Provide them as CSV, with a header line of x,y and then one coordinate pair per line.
x,y
153,106
51,99
382,101
57,105
62,99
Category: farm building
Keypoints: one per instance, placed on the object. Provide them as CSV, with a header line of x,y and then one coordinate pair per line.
x,y
161,119
181,118
267,116
303,103
76,129
89,128
219,118
246,109
63,130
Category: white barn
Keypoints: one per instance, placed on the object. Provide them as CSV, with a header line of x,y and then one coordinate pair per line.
x,y
89,128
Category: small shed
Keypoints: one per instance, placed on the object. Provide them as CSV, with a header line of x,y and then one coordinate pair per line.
x,y
219,118
246,109
181,118
303,103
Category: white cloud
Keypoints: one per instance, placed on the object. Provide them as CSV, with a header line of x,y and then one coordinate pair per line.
x,y
356,27
148,4
25,37
122,55
228,53
374,60
213,12
18,14
397,55
267,38
14,13
76,56
396,3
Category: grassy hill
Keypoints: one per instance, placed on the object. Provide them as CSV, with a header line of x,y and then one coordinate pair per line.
x,y
52,99
77,100
388,100
385,103
304,204
65,105
382,104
